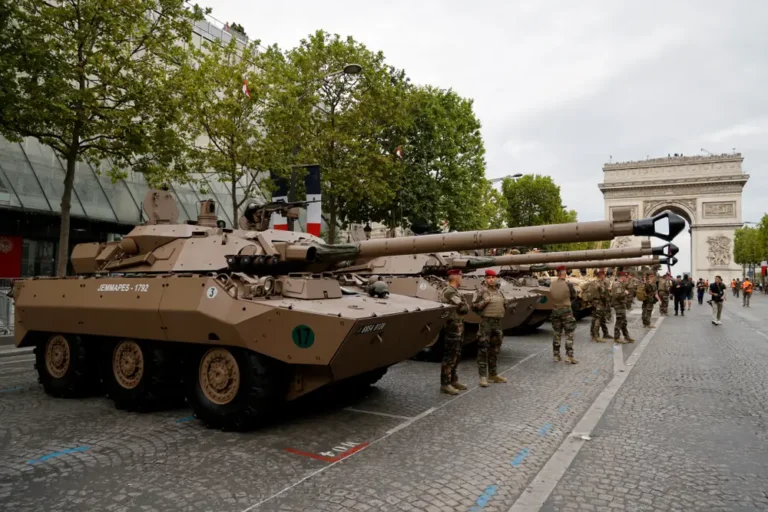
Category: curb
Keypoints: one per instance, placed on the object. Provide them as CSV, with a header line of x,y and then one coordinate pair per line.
x,y
16,352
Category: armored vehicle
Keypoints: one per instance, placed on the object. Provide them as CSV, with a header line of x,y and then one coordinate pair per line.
x,y
241,319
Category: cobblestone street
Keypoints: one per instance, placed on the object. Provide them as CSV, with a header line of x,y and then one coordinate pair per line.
x,y
686,430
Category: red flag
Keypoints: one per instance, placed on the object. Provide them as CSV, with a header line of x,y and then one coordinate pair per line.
x,y
246,91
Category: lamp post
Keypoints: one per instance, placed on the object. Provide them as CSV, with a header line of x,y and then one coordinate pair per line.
x,y
348,69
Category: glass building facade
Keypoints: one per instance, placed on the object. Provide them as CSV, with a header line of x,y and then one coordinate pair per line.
x,y
32,183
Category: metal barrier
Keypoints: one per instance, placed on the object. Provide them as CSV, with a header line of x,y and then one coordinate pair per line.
x,y
6,312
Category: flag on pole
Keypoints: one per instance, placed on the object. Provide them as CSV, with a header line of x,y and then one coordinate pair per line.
x,y
226,27
246,91
399,152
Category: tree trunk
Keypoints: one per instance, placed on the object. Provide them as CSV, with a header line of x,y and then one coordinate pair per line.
x,y
235,219
332,225
66,206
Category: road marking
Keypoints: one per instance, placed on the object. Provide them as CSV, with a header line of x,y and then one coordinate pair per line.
x,y
392,431
534,496
325,458
57,454
482,501
543,430
15,388
377,413
761,333
185,419
563,408
520,458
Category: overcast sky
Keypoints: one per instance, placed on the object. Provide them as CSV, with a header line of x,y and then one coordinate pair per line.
x,y
559,86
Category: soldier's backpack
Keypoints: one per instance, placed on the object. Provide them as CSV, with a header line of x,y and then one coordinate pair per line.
x,y
589,291
640,293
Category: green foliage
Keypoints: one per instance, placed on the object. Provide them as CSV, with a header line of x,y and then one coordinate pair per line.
x,y
90,79
234,140
343,122
237,28
749,244
533,200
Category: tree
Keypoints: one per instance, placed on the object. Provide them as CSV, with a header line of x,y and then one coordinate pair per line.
x,y
228,105
237,28
342,122
443,165
748,246
533,200
87,77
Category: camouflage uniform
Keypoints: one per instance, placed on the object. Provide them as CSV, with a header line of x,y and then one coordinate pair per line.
x,y
632,284
663,289
453,334
600,310
563,320
619,300
648,302
490,305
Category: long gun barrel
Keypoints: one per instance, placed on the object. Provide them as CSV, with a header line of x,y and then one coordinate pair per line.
x,y
625,262
668,250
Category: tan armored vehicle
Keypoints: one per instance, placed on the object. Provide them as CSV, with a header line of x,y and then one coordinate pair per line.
x,y
243,319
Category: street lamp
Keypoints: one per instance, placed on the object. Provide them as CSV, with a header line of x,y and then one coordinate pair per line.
x,y
513,176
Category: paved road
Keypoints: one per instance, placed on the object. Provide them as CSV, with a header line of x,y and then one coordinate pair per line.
x,y
686,423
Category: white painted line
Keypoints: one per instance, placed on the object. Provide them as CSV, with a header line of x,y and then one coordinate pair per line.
x,y
534,496
761,333
389,433
17,361
377,413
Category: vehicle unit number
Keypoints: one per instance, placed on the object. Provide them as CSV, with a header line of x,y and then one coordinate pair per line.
x,y
123,287
372,328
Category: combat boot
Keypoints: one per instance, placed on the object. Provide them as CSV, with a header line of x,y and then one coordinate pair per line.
x,y
498,379
598,340
571,360
449,390
558,358
483,382
607,337
619,340
628,339
458,385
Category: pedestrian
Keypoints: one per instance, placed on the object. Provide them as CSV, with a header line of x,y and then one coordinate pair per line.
x,y
619,293
688,284
701,287
650,297
562,316
733,287
717,297
747,288
599,308
453,334
664,286
679,293
491,305
738,287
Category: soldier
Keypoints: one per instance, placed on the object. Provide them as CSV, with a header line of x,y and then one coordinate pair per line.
x,y
619,295
562,315
453,334
650,298
663,289
632,284
490,305
599,309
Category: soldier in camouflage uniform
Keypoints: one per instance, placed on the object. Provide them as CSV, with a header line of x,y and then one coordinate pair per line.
x,y
491,306
619,294
632,284
663,289
562,315
453,334
599,309
651,297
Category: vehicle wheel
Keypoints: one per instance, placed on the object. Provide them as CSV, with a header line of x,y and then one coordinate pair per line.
x,y
66,366
233,388
369,378
139,375
432,353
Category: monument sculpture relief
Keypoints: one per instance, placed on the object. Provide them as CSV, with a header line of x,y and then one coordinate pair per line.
x,y
621,242
719,250
720,209
652,206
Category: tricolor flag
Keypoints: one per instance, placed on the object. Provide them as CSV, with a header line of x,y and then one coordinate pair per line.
x,y
246,91
399,152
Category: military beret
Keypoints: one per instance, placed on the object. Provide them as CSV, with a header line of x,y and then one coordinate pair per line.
x,y
490,273
454,272
600,271
622,273
561,268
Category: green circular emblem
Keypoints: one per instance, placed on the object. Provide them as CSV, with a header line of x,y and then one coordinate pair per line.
x,y
303,336
542,299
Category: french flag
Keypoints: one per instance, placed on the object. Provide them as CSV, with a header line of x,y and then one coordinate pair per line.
x,y
314,208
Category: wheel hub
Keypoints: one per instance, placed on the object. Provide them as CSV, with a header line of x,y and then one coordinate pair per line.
x,y
57,356
128,364
219,376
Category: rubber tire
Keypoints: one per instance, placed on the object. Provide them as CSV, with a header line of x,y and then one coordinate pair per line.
x,y
82,377
432,353
160,385
369,378
263,385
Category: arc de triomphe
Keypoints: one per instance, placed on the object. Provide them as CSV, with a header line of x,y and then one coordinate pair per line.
x,y
705,190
